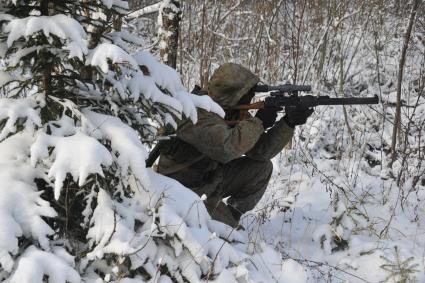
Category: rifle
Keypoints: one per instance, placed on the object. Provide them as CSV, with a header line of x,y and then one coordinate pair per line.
x,y
279,98
287,96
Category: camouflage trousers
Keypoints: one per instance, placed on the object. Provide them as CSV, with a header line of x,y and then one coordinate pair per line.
x,y
244,180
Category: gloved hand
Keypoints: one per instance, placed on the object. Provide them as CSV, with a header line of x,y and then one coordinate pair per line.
x,y
268,116
295,116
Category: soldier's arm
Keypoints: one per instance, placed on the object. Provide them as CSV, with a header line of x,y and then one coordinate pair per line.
x,y
272,142
214,138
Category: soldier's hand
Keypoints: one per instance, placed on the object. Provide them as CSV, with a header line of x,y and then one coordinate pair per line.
x,y
297,115
268,116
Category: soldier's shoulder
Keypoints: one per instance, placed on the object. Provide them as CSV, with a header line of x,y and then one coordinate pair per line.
x,y
202,113
204,118
207,118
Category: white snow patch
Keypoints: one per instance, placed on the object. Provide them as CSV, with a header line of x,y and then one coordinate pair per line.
x,y
59,25
78,155
34,264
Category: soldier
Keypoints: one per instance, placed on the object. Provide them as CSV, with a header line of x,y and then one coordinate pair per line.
x,y
218,160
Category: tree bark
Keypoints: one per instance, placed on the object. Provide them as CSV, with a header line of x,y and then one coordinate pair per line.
x,y
397,120
170,15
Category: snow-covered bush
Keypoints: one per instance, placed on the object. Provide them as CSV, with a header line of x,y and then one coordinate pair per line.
x,y
76,201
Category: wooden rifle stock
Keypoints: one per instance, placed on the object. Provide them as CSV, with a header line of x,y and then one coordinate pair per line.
x,y
243,111
256,105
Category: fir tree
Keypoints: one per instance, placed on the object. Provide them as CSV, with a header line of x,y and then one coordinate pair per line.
x,y
75,196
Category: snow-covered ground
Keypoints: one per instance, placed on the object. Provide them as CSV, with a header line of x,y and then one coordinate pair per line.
x,y
335,212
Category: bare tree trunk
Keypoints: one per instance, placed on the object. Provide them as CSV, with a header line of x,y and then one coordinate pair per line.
x,y
170,16
341,93
213,39
397,120
47,68
297,46
202,45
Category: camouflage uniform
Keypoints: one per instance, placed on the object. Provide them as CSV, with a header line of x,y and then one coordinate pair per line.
x,y
218,160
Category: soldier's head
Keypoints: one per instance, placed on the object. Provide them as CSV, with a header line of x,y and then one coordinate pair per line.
x,y
232,84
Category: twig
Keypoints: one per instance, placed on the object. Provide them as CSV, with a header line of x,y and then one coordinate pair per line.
x,y
397,124
331,266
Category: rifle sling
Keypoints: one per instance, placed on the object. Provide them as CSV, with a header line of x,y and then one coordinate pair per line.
x,y
182,166
156,151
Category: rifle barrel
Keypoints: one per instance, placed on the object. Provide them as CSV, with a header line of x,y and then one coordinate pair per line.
x,y
347,100
313,101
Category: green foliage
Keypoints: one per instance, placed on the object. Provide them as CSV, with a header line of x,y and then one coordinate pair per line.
x,y
400,271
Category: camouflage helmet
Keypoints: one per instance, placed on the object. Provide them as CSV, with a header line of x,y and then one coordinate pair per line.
x,y
229,83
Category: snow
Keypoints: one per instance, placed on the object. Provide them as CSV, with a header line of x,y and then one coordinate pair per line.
x,y
169,191
125,144
167,78
59,25
106,51
14,109
21,209
196,247
34,264
16,57
118,3
125,39
78,155
5,78
103,220
146,85
292,271
133,82
146,10
16,147
328,198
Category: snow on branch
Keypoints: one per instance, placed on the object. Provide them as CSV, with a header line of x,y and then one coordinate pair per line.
x,y
14,109
133,82
112,228
6,77
144,11
21,210
189,222
59,25
146,85
106,51
167,78
124,141
34,264
125,39
117,3
16,147
102,221
78,155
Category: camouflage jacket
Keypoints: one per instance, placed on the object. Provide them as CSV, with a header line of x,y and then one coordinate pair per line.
x,y
194,158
